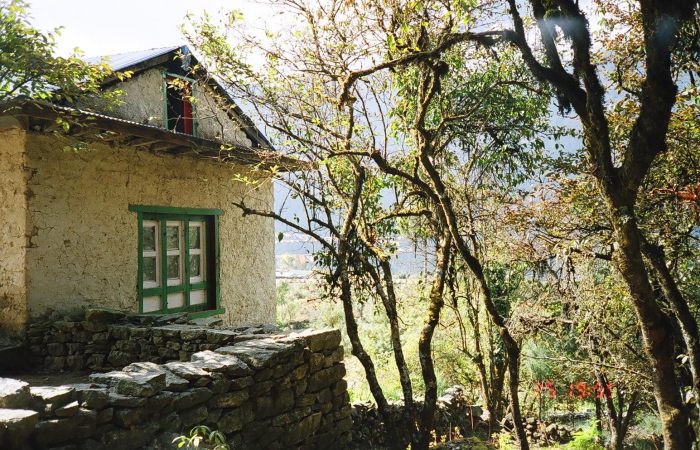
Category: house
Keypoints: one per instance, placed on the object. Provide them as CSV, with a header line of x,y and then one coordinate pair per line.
x,y
141,219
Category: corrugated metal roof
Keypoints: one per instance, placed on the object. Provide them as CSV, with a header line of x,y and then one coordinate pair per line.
x,y
123,60
67,109
207,148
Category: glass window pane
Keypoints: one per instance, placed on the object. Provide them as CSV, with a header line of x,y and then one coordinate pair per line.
x,y
198,297
173,237
151,304
149,238
176,300
194,237
195,266
149,269
174,267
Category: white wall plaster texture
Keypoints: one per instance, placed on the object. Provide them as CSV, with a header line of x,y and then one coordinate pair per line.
x,y
13,230
84,242
143,102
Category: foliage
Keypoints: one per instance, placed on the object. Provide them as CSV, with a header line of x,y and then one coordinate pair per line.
x,y
588,439
432,120
29,68
645,435
504,441
377,141
203,437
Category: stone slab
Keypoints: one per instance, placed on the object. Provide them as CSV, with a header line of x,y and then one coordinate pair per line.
x,y
258,353
14,393
218,362
16,425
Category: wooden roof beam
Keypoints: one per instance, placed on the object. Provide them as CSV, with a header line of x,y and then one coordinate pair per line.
x,y
143,142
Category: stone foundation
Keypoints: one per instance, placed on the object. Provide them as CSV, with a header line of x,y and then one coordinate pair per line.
x,y
283,391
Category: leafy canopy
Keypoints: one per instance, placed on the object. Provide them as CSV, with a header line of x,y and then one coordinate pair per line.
x,y
29,68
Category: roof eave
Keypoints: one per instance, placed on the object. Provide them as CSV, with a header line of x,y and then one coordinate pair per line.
x,y
95,128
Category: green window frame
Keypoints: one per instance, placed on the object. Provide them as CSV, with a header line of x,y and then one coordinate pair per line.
x,y
192,105
178,260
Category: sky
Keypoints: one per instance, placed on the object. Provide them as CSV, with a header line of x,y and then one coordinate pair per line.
x,y
101,27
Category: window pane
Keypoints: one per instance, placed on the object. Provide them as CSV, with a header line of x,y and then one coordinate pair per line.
x,y
173,237
149,238
194,237
174,267
149,269
198,297
176,300
195,266
151,304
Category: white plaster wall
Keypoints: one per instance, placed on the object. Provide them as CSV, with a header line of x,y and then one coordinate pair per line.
x,y
143,102
85,249
13,231
213,122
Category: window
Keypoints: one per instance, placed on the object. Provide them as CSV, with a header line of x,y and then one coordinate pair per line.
x,y
179,107
178,259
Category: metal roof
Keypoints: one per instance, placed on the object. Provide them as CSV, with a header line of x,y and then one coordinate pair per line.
x,y
95,127
123,60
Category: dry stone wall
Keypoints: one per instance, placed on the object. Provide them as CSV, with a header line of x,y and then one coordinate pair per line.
x,y
454,417
104,338
278,391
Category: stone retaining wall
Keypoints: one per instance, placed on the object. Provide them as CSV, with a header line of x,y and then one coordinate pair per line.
x,y
277,392
113,339
454,417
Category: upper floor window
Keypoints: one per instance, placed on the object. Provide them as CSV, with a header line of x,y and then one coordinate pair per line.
x,y
179,112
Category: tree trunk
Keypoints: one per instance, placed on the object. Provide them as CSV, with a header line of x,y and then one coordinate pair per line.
x,y
438,192
599,415
655,327
619,183
387,293
617,421
686,321
392,438
478,360
498,374
513,388
426,337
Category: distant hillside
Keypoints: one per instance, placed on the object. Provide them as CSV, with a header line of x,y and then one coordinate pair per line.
x,y
295,254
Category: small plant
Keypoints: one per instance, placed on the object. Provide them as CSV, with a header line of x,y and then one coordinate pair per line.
x,y
503,441
588,439
203,437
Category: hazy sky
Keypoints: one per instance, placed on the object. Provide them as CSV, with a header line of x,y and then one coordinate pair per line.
x,y
101,27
